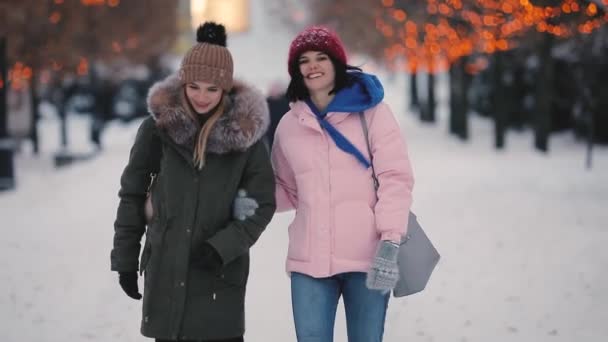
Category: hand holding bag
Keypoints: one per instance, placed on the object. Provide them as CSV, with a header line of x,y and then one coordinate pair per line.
x,y
417,256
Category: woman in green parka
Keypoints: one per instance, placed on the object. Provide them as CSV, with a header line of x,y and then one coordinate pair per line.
x,y
203,143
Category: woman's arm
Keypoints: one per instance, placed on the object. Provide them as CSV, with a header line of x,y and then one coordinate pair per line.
x,y
258,182
394,172
130,221
286,191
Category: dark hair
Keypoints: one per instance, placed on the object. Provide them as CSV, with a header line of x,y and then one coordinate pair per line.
x,y
345,77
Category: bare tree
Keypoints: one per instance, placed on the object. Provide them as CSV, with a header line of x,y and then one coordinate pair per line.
x,y
69,36
462,36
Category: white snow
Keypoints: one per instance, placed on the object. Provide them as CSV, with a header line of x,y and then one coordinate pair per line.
x,y
522,237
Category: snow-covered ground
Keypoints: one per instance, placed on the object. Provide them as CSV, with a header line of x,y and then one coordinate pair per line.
x,y
522,237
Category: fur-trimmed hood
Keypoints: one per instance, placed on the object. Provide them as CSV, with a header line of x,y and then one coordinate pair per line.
x,y
244,122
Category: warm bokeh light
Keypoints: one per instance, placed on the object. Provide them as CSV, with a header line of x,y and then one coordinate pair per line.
x,y
55,17
233,14
453,29
19,75
56,66
93,2
399,15
83,67
388,3
116,47
132,42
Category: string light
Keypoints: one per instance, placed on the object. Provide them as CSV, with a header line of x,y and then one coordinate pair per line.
x,y
55,17
485,26
83,67
19,75
93,2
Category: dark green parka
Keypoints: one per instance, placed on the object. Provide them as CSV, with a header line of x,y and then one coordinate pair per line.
x,y
192,206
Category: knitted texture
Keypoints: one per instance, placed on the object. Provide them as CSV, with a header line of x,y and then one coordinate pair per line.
x,y
384,272
243,206
208,60
315,38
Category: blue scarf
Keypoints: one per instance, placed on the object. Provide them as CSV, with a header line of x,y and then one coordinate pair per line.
x,y
365,93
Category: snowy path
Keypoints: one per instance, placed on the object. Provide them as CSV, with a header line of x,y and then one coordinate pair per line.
x,y
522,237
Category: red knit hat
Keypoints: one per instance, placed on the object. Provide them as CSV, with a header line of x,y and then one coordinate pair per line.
x,y
315,38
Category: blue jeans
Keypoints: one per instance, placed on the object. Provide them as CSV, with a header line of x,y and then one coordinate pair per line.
x,y
314,302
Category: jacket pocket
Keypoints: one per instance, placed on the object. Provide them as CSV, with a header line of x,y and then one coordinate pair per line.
x,y
235,273
355,235
299,235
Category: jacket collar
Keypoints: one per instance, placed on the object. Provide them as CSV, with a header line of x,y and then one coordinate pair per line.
x,y
308,118
365,93
243,123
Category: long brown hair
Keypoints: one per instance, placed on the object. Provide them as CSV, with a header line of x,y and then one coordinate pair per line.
x,y
200,143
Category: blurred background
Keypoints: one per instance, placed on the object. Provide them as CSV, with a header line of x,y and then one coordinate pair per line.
x,y
502,103
537,64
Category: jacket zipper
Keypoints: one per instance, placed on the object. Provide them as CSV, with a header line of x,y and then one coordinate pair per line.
x,y
329,218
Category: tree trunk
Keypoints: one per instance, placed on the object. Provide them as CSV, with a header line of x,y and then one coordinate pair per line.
x,y
428,113
500,106
414,101
63,125
544,91
35,113
459,104
3,90
97,116
7,174
590,135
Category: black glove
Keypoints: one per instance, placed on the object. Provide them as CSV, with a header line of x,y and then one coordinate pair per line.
x,y
207,258
128,282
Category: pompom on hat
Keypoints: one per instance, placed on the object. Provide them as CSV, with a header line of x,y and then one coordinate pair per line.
x,y
208,60
315,38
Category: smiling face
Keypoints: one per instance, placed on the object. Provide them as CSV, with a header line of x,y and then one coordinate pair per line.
x,y
203,96
317,71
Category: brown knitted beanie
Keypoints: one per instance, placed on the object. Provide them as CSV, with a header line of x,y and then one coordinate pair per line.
x,y
209,60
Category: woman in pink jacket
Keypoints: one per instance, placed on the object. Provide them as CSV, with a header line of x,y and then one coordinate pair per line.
x,y
344,238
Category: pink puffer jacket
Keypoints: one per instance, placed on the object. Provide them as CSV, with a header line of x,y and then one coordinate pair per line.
x,y
338,221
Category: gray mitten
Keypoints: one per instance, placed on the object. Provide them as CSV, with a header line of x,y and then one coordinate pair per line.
x,y
243,206
384,272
